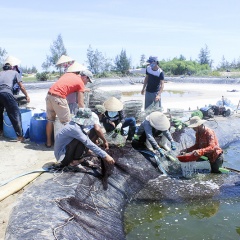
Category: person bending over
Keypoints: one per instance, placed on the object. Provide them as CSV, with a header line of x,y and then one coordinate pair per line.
x,y
155,124
206,144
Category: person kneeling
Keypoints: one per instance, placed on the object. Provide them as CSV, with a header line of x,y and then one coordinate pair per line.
x,y
206,144
154,124
72,143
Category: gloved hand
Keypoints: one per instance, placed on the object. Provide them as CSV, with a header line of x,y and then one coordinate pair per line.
x,y
161,152
173,146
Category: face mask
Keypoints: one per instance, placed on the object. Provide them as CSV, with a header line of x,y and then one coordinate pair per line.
x,y
153,64
112,114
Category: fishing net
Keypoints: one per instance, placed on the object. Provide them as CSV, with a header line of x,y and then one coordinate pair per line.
x,y
152,108
133,108
98,96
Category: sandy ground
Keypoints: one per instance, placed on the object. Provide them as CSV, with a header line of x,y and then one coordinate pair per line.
x,y
17,158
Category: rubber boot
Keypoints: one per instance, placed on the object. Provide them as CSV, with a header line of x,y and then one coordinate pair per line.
x,y
131,133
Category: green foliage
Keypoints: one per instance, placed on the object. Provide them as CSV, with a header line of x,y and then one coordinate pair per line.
x,y
44,76
182,67
96,61
204,56
57,49
122,62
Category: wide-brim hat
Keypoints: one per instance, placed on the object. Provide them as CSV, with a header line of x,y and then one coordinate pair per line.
x,y
158,121
64,59
84,117
13,61
195,122
76,67
113,105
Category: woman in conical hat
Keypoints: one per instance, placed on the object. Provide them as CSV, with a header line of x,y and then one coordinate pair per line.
x,y
154,124
114,118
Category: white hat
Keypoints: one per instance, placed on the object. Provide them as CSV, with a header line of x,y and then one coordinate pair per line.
x,y
76,67
64,59
84,117
87,73
195,122
158,121
13,61
113,105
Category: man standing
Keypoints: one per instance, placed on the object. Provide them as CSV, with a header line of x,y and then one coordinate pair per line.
x,y
8,77
74,80
153,83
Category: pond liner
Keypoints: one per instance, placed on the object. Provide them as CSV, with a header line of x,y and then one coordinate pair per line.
x,y
73,206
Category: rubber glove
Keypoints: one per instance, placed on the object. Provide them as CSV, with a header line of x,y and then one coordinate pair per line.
x,y
161,152
173,146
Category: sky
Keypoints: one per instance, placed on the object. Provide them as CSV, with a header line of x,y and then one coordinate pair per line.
x,y
163,28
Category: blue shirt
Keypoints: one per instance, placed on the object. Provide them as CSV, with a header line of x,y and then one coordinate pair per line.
x,y
73,131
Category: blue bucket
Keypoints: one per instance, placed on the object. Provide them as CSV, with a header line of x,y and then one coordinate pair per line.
x,y
8,130
38,128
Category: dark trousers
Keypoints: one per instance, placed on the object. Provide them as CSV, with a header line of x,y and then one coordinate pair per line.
x,y
75,149
217,164
8,102
128,122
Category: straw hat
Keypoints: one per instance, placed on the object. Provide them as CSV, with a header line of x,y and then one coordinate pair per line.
x,y
13,61
158,121
64,59
76,67
113,105
195,122
84,117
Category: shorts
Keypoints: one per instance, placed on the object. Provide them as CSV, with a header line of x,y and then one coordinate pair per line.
x,y
57,106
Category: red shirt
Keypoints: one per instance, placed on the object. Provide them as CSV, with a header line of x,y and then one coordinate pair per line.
x,y
66,84
206,144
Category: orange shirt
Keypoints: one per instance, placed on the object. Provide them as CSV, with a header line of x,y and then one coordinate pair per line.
x,y
66,84
206,144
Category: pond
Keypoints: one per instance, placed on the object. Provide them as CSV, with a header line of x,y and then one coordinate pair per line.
x,y
197,219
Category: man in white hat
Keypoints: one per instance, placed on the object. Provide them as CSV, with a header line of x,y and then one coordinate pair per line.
x,y
72,142
206,144
113,118
74,80
154,124
153,83
7,79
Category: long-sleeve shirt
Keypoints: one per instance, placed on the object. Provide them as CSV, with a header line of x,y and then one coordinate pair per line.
x,y
73,131
146,131
206,144
119,118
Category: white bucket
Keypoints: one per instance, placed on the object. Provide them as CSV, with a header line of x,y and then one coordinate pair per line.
x,y
57,127
190,169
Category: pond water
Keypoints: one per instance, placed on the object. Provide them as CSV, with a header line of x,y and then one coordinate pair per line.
x,y
195,219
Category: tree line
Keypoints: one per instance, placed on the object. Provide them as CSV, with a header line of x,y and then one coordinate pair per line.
x,y
103,66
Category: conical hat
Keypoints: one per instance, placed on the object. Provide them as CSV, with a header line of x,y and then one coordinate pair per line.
x,y
64,59
76,67
113,105
158,121
13,61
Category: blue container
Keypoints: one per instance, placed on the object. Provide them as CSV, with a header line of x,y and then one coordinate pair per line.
x,y
38,128
8,130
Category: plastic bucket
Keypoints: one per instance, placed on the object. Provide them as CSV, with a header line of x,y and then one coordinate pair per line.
x,y
8,130
38,128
